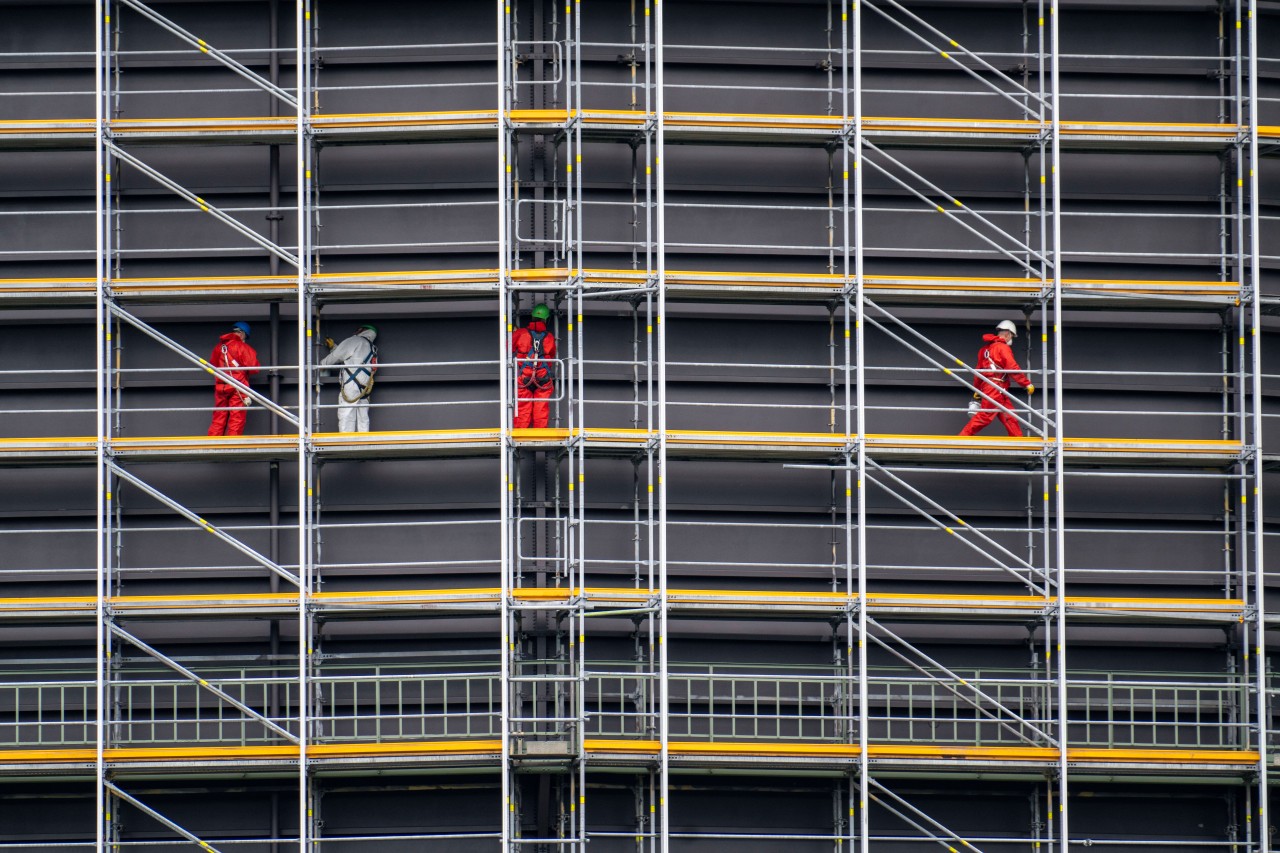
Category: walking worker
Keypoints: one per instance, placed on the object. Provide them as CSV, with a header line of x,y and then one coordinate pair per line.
x,y
996,366
239,361
534,349
359,355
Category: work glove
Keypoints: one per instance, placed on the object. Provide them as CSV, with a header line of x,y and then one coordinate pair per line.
x,y
1031,389
330,343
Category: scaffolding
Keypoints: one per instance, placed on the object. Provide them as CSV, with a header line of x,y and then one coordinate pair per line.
x,y
551,669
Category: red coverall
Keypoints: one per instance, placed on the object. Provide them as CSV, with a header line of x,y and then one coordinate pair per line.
x,y
236,357
995,357
534,379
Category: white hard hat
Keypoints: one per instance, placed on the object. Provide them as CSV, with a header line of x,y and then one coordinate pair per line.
x,y
1007,326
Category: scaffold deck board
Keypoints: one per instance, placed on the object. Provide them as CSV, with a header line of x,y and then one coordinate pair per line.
x,y
698,127
617,750
373,603
679,284
694,444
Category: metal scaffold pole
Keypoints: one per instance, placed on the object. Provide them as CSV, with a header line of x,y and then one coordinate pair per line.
x,y
102,497
306,491
860,431
505,484
1060,541
660,257
1259,573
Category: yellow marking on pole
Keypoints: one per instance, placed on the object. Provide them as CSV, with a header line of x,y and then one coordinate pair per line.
x,y
648,329
1042,22
108,177
203,206
1242,340
571,485
940,208
848,493
571,327
108,337
108,20
1244,499
651,488
568,167
945,55
1042,179
847,333
946,370
203,683
949,530
1046,496
1044,339
846,174
108,496
956,202
203,47
859,484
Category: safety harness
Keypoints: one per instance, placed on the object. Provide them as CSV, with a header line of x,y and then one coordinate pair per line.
x,y
534,359
351,375
988,363
228,360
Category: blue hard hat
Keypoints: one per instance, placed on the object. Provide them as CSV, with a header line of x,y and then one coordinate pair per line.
x,y
242,326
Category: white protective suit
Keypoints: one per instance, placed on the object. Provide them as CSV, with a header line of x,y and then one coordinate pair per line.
x,y
355,380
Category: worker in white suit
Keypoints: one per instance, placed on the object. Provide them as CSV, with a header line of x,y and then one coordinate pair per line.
x,y
359,356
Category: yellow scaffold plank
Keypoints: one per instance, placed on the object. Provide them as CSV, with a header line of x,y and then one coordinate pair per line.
x,y
926,751
491,595
616,746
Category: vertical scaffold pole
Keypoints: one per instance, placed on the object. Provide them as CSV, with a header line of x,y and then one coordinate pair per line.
x,y
1259,578
860,429
1059,550
660,232
101,180
302,181
504,421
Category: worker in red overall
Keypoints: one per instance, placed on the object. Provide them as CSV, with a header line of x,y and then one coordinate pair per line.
x,y
534,348
996,366
240,361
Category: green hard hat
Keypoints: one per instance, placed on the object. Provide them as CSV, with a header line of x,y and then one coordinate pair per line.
x,y
540,311
368,326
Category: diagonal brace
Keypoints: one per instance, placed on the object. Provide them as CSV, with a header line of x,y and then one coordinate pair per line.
x,y
934,837
212,52
266,562
957,203
949,372
195,200
981,694
955,44
962,540
960,522
203,363
146,809
200,682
